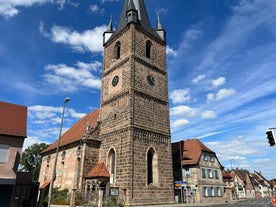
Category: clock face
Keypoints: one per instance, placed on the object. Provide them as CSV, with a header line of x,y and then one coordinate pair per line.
x,y
115,80
151,80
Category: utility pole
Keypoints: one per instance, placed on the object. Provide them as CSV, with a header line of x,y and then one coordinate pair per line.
x,y
66,100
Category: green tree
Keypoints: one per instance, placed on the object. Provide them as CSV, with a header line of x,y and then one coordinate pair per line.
x,y
31,159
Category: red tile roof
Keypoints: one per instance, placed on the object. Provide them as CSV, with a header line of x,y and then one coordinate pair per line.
x,y
99,170
241,173
76,132
192,150
13,120
228,174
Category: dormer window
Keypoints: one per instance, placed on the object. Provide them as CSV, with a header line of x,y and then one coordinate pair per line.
x,y
117,50
148,49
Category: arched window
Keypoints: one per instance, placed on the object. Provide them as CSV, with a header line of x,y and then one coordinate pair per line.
x,y
111,164
149,160
148,49
117,50
152,167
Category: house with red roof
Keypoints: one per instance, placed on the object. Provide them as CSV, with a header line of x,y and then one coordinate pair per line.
x,y
229,187
197,173
265,187
243,183
13,131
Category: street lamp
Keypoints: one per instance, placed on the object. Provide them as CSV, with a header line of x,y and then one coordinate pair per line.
x,y
66,100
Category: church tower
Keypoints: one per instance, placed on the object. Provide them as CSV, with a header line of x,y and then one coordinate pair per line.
x,y
134,109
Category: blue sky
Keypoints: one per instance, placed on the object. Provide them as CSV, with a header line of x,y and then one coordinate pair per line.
x,y
221,60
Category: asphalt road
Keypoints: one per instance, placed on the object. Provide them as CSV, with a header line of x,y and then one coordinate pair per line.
x,y
264,202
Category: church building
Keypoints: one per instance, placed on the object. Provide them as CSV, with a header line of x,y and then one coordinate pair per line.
x,y
123,149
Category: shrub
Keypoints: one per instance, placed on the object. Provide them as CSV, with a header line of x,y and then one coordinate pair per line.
x,y
60,197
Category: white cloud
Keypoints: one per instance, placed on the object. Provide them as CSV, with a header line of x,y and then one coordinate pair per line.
x,y
179,123
49,115
221,94
10,8
239,147
184,111
208,115
210,134
190,36
248,17
246,154
33,140
94,8
180,95
162,11
199,78
171,52
218,82
66,78
103,1
89,40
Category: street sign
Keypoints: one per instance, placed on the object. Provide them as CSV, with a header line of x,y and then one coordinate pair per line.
x,y
180,183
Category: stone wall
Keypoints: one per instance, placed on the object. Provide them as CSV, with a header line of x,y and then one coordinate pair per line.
x,y
134,117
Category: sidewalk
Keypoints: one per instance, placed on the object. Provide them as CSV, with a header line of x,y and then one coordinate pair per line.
x,y
189,204
170,205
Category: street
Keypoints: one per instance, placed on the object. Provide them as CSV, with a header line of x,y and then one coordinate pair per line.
x,y
264,202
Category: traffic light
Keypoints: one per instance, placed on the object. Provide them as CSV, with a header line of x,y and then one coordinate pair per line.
x,y
270,137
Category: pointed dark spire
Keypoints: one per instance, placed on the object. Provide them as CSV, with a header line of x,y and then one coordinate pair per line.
x,y
159,25
131,13
160,30
134,11
131,5
143,19
109,31
110,25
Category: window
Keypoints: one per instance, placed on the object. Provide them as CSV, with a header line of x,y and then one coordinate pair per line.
x,y
204,191
117,50
148,49
152,167
111,164
187,172
220,191
216,192
210,191
149,161
63,156
216,174
210,173
4,150
203,173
